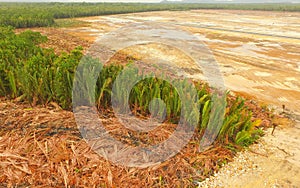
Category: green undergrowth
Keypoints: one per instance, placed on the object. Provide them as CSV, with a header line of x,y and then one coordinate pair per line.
x,y
39,76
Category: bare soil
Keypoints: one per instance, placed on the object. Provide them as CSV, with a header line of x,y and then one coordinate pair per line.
x,y
258,52
273,162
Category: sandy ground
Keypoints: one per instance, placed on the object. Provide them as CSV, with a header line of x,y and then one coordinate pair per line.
x,y
273,162
259,54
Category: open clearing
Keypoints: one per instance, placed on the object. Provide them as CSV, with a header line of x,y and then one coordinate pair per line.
x,y
259,56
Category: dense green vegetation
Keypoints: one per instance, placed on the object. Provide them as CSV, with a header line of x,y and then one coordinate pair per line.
x,y
39,76
22,15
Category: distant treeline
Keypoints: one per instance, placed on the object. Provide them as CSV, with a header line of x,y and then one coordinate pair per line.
x,y
22,15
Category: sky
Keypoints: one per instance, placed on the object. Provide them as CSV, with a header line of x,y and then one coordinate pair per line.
x,y
148,1
114,1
